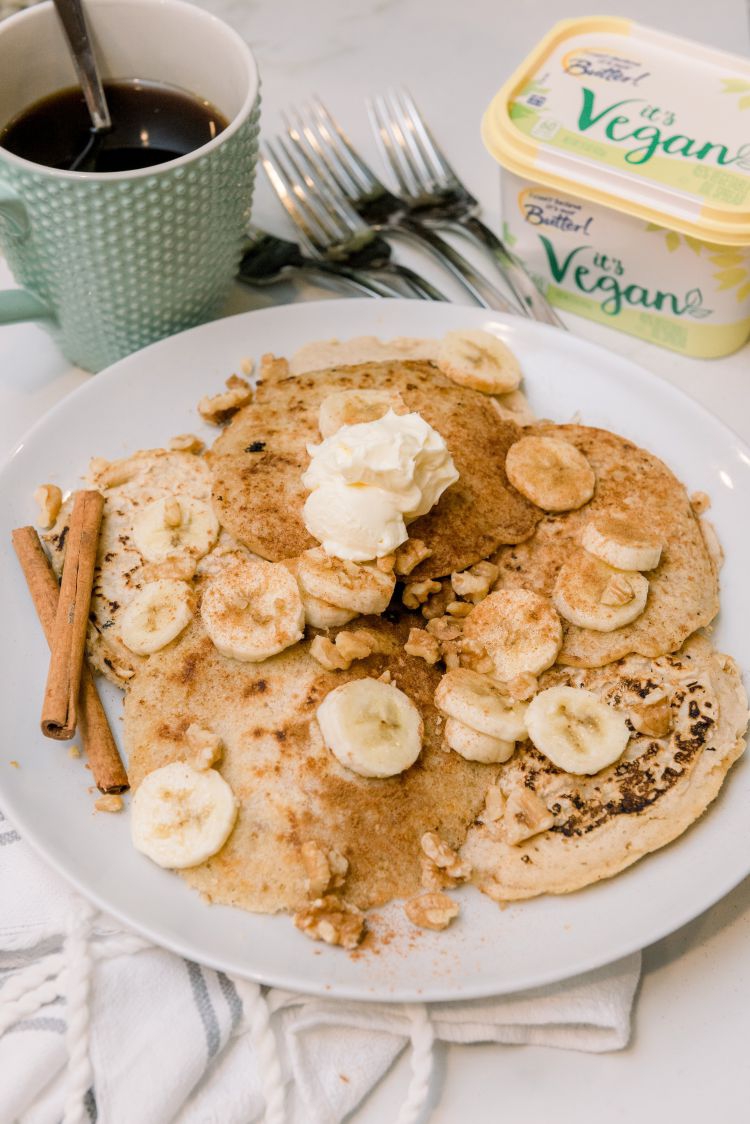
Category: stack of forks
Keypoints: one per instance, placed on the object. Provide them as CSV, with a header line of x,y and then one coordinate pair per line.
x,y
345,216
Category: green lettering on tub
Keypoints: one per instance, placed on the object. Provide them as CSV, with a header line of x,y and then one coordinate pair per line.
x,y
592,281
619,127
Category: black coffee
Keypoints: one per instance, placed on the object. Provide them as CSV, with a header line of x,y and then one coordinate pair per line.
x,y
152,123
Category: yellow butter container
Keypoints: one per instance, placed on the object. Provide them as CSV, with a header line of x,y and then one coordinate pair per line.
x,y
625,156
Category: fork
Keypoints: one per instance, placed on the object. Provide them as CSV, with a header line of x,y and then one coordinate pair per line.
x,y
268,259
330,230
438,196
328,156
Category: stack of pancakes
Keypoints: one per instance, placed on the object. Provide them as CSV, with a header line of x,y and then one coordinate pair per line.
x,y
291,789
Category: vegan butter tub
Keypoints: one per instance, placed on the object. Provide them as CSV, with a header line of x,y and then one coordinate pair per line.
x,y
626,181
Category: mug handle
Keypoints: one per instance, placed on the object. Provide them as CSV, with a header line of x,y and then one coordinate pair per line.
x,y
17,304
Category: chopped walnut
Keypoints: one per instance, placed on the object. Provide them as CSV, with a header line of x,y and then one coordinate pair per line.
x,y
327,654
409,555
48,498
493,812
353,646
110,474
177,567
653,716
219,408
475,583
525,815
207,746
700,502
386,676
272,368
617,591
444,856
416,593
431,911
422,645
458,608
109,803
435,605
474,656
386,563
450,653
235,382
339,655
432,877
186,443
332,920
325,870
445,628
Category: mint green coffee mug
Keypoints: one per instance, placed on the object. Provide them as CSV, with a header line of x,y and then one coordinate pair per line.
x,y
112,261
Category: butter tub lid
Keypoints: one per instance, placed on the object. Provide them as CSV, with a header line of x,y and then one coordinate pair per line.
x,y
642,121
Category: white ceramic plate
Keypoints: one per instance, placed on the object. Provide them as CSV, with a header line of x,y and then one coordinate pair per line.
x,y
149,397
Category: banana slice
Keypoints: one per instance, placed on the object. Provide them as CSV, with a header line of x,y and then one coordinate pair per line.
x,y
350,407
551,473
475,746
318,614
253,610
519,630
475,701
478,360
181,816
622,541
175,526
576,730
357,586
371,727
593,595
157,614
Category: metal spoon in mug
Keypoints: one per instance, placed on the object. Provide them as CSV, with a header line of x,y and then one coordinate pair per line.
x,y
73,20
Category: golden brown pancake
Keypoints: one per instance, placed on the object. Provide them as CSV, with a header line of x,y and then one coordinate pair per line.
x,y
684,591
290,787
659,787
259,459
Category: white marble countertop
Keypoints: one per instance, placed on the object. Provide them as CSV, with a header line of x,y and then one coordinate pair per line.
x,y
687,1057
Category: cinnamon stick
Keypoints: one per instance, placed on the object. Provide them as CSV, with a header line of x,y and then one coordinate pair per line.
x,y
99,745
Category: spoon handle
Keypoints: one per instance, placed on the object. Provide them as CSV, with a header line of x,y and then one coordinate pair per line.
x,y
73,21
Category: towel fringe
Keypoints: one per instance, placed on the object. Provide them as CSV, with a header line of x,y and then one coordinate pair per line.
x,y
422,1035
256,1021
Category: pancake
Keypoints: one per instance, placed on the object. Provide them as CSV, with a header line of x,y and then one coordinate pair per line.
x,y
291,788
121,569
259,459
660,786
683,590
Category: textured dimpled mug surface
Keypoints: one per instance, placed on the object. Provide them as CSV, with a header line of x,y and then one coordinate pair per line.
x,y
110,262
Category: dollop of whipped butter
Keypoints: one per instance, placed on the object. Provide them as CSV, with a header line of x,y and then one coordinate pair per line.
x,y
367,481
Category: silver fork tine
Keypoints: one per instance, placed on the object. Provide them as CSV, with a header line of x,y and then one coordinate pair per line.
x,y
336,138
310,232
390,149
343,222
442,170
321,155
408,162
422,170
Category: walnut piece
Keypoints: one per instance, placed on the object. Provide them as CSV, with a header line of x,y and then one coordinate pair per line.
x,y
48,498
422,645
444,857
339,655
325,869
450,653
652,716
431,911
458,608
409,555
110,474
493,813
475,583
416,593
109,803
186,443
333,920
445,628
386,563
207,746
525,815
435,605
219,408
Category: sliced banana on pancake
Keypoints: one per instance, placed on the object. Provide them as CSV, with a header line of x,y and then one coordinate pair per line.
x,y
252,610
318,614
591,594
478,360
171,526
553,474
519,630
181,816
576,730
476,746
371,727
351,407
477,702
156,615
356,586
622,541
